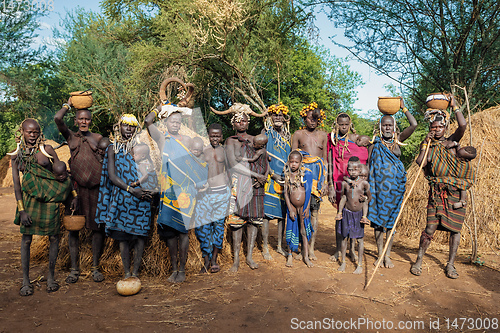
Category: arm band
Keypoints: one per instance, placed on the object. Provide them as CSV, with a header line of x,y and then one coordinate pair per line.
x,y
74,193
20,205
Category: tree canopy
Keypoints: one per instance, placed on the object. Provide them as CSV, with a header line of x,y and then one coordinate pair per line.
x,y
427,46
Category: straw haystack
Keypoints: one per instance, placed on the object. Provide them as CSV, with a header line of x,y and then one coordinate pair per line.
x,y
486,139
156,259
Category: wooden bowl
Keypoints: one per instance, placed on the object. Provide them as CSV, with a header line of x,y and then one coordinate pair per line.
x,y
73,222
129,286
389,105
81,99
437,101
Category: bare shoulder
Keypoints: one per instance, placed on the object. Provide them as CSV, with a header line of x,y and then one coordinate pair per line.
x,y
96,136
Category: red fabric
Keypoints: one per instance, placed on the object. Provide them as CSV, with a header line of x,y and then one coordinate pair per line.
x,y
340,156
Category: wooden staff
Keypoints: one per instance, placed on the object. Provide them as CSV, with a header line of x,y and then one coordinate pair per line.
x,y
397,218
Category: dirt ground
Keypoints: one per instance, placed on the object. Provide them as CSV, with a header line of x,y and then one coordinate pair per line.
x,y
271,298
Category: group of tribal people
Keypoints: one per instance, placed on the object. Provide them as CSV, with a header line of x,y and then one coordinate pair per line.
x,y
243,183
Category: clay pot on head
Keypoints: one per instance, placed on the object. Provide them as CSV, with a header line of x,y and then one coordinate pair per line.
x,y
81,99
389,105
437,101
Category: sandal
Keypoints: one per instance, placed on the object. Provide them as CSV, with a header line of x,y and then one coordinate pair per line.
x,y
73,275
215,268
416,270
451,272
96,275
52,287
26,290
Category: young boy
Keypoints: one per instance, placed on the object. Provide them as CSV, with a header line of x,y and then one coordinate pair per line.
x,y
211,209
298,184
351,211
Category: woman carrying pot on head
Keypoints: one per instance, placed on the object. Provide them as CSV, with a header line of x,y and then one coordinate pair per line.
x,y
387,177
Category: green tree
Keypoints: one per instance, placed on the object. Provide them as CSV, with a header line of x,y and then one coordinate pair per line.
x,y
427,46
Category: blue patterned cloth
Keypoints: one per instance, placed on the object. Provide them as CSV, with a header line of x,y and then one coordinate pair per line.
x,y
278,149
181,174
387,185
118,209
209,216
293,237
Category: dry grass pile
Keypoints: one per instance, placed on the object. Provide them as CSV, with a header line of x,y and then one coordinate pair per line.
x,y
486,139
156,258
155,261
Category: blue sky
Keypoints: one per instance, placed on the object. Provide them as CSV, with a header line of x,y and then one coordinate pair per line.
x,y
367,94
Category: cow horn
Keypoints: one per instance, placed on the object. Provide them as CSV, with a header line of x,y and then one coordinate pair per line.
x,y
221,112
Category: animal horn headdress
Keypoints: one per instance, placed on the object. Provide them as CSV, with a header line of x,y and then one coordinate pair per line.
x,y
239,110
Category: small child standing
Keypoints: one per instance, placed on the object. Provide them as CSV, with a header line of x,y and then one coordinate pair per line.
x,y
351,211
298,185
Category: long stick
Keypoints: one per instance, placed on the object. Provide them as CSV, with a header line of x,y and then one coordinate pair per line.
x,y
397,218
473,257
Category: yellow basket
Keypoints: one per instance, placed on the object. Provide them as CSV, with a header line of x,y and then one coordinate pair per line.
x,y
81,99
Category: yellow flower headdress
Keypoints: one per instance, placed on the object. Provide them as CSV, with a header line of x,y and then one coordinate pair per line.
x,y
276,108
311,107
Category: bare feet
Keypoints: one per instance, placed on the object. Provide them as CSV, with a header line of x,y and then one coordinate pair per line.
x,y
215,268
358,270
308,262
252,264
388,263
289,261
235,267
342,267
26,290
73,276
334,257
312,256
172,277
297,256
267,255
52,286
377,262
280,251
127,275
180,277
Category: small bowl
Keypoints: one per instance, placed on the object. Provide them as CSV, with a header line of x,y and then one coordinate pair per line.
x,y
129,286
437,101
389,105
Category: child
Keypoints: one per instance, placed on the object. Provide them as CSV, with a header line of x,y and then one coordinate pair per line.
x,y
298,184
59,170
147,174
197,146
364,171
351,211
259,145
102,145
465,154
